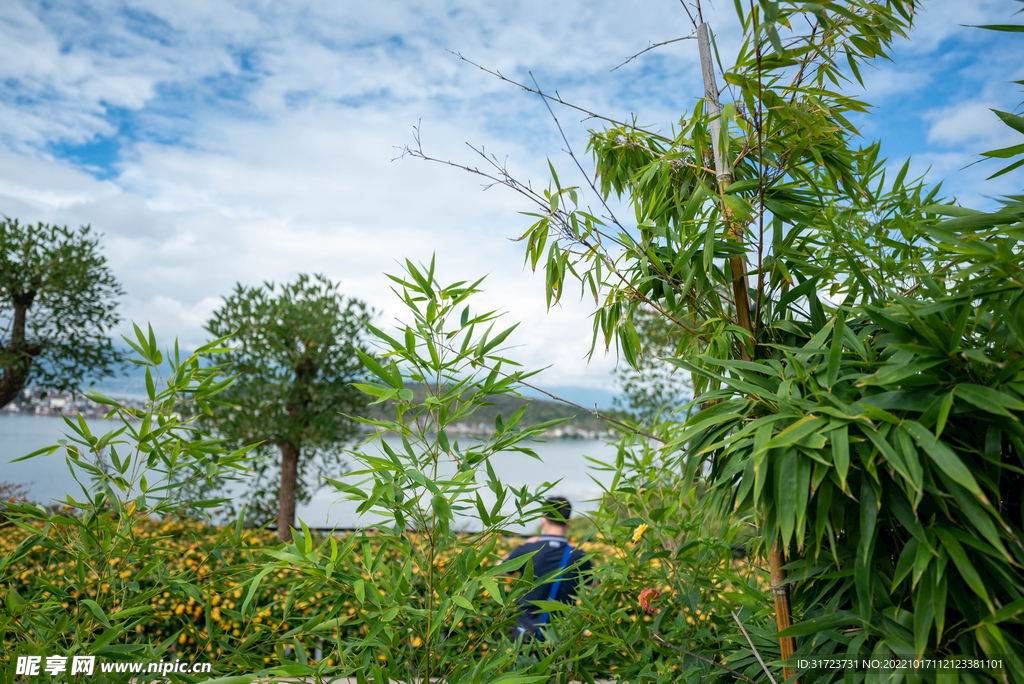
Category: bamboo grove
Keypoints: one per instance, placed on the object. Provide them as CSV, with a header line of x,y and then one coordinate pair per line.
x,y
866,412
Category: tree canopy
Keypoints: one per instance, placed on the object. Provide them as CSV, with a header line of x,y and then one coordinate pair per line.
x,y
58,304
295,357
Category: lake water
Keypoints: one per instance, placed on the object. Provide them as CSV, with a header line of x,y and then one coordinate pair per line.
x,y
49,478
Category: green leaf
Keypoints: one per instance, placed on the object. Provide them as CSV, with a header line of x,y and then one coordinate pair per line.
x,y
944,407
254,585
797,431
840,439
1015,165
511,565
441,507
307,537
1012,120
492,588
377,369
552,606
868,517
964,565
924,614
840,618
989,399
944,458
101,398
462,602
1005,152
785,493
1011,28
97,612
835,353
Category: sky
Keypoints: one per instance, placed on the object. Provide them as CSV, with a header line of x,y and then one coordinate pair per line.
x,y
214,142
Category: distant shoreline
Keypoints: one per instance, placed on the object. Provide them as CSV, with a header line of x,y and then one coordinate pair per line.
x,y
577,426
457,430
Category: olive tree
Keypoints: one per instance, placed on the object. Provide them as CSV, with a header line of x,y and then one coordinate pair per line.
x,y
58,303
295,358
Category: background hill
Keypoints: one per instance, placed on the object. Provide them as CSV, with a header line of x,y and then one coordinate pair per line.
x,y
580,423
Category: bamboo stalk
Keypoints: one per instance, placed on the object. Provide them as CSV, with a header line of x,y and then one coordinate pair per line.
x,y
723,175
783,617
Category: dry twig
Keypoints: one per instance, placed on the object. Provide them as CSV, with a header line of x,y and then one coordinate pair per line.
x,y
560,101
656,45
753,648
736,674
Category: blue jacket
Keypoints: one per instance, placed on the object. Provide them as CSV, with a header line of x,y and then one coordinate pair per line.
x,y
550,550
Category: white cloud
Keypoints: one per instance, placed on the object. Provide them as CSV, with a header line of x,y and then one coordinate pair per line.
x,y
964,122
256,141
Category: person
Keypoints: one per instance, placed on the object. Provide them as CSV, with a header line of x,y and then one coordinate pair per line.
x,y
553,552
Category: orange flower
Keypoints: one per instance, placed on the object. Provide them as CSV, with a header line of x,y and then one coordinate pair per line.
x,y
647,597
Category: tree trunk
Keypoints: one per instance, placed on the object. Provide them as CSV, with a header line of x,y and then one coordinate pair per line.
x,y
289,481
19,356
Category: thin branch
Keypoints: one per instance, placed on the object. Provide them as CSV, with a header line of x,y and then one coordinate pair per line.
x,y
568,150
934,273
515,185
611,215
687,9
753,648
656,45
798,79
509,181
738,675
560,101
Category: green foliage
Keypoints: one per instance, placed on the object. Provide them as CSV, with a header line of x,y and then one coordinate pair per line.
x,y
295,359
869,412
94,606
57,306
421,480
654,536
434,564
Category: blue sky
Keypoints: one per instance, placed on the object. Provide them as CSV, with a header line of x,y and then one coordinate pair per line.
x,y
215,141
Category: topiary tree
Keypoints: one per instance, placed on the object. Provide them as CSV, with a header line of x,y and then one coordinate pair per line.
x,y
296,361
58,303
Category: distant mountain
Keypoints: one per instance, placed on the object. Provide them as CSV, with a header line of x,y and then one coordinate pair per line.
x,y
584,396
134,385
541,407
537,411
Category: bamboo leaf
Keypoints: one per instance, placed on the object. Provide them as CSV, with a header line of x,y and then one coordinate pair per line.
x,y
964,565
989,399
840,618
944,458
840,439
